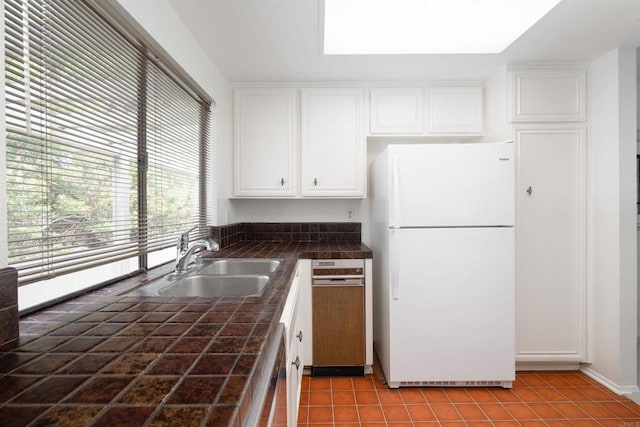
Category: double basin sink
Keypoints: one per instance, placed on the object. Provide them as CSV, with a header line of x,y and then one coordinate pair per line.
x,y
214,277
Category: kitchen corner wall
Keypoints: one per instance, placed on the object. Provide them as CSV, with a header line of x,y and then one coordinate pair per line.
x,y
612,219
496,123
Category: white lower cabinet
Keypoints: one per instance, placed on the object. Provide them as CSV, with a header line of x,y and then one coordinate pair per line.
x,y
294,346
304,268
551,315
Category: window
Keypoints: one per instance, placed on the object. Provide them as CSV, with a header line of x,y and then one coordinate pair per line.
x,y
107,150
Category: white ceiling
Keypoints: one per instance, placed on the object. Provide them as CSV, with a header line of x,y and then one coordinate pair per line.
x,y
279,40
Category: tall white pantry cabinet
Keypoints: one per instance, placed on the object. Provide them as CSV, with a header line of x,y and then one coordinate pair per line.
x,y
548,120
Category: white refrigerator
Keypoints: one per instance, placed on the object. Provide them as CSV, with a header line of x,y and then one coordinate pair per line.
x,y
444,268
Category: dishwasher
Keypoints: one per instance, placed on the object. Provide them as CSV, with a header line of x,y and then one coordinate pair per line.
x,y
338,301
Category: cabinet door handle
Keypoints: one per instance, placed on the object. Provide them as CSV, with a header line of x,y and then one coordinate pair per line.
x,y
300,336
315,182
529,190
282,182
296,363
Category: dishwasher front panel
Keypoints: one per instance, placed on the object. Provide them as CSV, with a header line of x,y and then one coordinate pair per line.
x,y
338,296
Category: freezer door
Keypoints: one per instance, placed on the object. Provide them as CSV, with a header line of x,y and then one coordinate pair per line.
x,y
450,185
451,305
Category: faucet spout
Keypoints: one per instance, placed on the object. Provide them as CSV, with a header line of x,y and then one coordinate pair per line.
x,y
183,261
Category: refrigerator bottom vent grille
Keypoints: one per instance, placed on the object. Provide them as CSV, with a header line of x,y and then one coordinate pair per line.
x,y
451,383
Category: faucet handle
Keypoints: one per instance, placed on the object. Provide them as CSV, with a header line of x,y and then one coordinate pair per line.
x,y
183,241
212,245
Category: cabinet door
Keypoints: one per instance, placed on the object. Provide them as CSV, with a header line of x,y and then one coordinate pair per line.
x,y
293,324
455,110
265,142
396,111
333,143
294,381
551,248
306,308
549,95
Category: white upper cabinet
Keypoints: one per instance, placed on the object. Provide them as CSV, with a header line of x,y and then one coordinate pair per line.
x,y
455,110
333,143
396,111
549,95
450,111
265,142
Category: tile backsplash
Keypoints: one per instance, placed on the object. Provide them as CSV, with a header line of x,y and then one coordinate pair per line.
x,y
227,235
8,305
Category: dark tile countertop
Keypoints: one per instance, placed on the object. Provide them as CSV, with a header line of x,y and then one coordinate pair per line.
x,y
104,359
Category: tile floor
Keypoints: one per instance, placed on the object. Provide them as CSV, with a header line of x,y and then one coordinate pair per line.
x,y
536,399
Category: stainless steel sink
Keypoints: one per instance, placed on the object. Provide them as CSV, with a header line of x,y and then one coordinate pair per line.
x,y
204,285
238,266
214,277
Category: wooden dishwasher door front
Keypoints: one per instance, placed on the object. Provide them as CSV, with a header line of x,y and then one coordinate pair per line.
x,y
338,325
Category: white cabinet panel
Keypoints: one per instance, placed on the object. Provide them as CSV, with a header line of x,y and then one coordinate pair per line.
x,y
265,142
293,321
304,269
455,110
551,248
549,95
333,157
396,111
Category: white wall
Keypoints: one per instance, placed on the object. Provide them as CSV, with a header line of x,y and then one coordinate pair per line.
x,y
495,109
295,210
612,218
3,146
162,24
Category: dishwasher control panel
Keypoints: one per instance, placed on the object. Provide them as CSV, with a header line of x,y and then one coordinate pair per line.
x,y
338,268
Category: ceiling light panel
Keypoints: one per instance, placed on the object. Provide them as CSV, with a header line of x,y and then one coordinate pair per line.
x,y
427,26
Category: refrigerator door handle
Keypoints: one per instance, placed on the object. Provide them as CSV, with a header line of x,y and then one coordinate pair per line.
x,y
394,267
395,193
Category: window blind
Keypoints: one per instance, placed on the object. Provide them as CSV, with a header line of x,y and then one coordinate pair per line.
x,y
105,148
174,146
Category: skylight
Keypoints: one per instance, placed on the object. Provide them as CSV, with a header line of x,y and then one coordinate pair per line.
x,y
427,26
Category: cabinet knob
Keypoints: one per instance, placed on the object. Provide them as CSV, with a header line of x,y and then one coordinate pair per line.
x,y
529,190
282,182
315,182
300,336
296,363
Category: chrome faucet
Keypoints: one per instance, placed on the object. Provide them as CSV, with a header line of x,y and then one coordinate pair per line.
x,y
184,257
